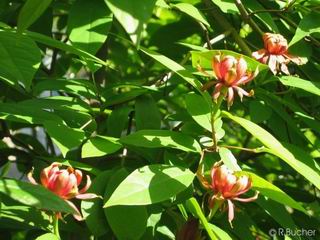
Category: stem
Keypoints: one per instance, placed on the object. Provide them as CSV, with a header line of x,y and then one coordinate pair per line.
x,y
213,117
244,14
223,21
56,225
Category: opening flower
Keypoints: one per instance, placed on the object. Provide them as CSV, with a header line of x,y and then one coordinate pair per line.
x,y
64,183
231,73
226,186
275,53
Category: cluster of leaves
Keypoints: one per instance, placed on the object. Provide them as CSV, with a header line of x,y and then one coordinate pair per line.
x,y
107,86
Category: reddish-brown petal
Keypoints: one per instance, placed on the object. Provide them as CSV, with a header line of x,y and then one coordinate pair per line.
x,y
230,96
226,65
78,175
247,199
217,91
259,54
88,184
77,215
216,66
241,67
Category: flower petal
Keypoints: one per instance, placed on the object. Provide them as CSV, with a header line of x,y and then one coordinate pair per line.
x,y
230,212
85,196
88,184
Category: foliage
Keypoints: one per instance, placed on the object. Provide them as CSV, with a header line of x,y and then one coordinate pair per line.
x,y
129,93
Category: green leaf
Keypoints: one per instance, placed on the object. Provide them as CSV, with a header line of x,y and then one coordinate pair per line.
x,y
99,146
276,148
162,138
271,191
312,87
259,111
91,209
226,6
204,59
265,17
79,87
30,12
220,233
23,217
199,110
277,211
193,206
131,218
65,137
33,195
192,11
48,41
118,120
147,114
228,159
307,26
151,184
132,15
48,236
178,69
88,24
20,58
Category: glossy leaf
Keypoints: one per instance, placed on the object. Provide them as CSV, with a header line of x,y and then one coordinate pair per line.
x,y
99,146
193,206
228,159
88,24
312,87
192,11
307,26
151,184
147,114
132,218
33,195
30,12
161,138
132,15
273,146
20,58
271,191
91,209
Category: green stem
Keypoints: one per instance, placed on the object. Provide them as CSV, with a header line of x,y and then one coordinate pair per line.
x,y
213,117
56,226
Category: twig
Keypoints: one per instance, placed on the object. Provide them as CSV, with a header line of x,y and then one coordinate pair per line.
x,y
221,19
244,14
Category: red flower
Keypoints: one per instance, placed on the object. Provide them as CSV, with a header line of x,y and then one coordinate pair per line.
x,y
227,186
275,53
231,73
64,183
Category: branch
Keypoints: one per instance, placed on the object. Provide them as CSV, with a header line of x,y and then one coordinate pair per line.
x,y
244,14
223,21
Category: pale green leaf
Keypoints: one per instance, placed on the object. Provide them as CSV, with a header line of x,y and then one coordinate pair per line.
x,y
309,86
307,26
151,184
132,15
274,147
99,146
33,195
192,11
162,138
